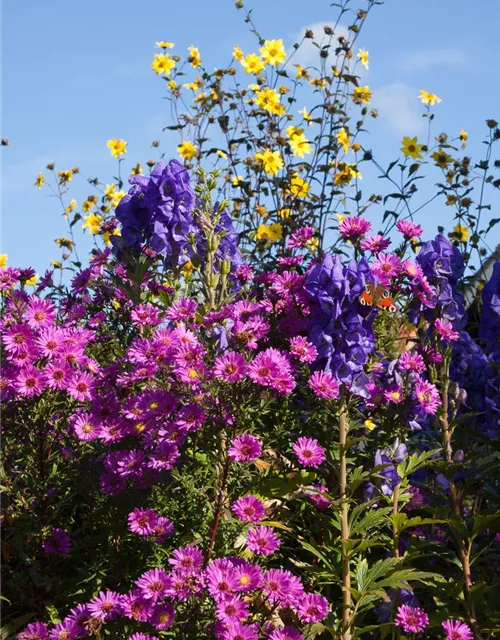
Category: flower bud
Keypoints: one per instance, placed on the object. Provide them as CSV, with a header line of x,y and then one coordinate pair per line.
x,y
225,267
212,242
459,456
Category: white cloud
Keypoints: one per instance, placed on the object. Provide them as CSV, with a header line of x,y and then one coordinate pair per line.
x,y
398,107
429,58
308,53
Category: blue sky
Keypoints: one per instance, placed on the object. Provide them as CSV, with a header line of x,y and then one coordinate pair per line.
x,y
78,73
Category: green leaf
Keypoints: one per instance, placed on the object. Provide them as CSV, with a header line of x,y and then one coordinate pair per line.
x,y
279,486
370,520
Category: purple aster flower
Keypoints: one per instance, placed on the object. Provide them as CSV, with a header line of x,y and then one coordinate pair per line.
x,y
154,584
64,630
58,542
57,375
353,228
231,367
309,452
375,244
301,237
312,608
106,605
394,393
80,616
457,630
249,509
142,636
262,540
142,521
286,633
245,448
427,396
324,384
412,619
409,229
34,631
303,350
145,315
162,616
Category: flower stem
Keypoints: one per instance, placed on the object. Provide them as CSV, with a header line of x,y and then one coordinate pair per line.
x,y
344,528
463,549
220,483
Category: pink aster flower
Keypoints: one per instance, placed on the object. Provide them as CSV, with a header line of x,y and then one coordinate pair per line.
x,y
29,382
301,237
276,584
142,521
290,261
286,633
182,310
446,331
145,315
240,631
135,605
412,269
245,448
351,228
232,608
309,452
316,498
17,338
409,229
40,313
189,558
142,636
427,396
271,368
231,367
81,386
324,384
220,578
248,576
85,427
244,273
263,540
375,244
412,619
411,361
57,375
249,509
312,608
303,350
385,267
457,630
162,529
154,584
106,605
